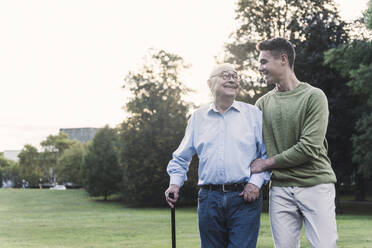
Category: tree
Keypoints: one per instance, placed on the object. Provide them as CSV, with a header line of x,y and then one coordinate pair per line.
x,y
70,163
101,171
11,172
53,147
3,161
29,163
368,15
154,129
354,60
5,165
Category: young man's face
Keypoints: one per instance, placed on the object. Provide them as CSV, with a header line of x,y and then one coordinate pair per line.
x,y
271,67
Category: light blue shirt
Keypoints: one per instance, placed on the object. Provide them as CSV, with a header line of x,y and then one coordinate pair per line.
x,y
226,145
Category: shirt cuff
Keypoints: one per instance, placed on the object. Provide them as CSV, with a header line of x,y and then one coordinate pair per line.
x,y
257,180
177,180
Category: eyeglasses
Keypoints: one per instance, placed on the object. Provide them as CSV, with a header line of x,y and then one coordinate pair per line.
x,y
227,75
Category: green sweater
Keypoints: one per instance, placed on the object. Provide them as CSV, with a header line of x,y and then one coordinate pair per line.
x,y
294,128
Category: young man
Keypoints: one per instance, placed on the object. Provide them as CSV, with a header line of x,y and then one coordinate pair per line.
x,y
227,136
295,119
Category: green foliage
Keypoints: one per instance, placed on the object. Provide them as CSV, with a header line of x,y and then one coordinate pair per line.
x,y
101,171
3,161
349,57
53,147
69,164
355,61
362,143
12,173
35,166
156,125
56,143
29,163
361,81
369,15
8,170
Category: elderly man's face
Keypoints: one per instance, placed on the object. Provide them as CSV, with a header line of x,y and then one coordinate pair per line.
x,y
224,82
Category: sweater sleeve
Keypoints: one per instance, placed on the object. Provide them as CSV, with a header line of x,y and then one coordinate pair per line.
x,y
258,104
312,133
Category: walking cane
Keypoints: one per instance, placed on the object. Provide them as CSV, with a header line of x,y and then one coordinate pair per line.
x,y
173,214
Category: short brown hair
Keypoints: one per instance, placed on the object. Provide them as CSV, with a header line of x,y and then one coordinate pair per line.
x,y
278,46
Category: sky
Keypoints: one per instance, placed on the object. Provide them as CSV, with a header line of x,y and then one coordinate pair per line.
x,y
63,63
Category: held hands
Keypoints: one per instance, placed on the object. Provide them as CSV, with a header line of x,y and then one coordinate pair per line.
x,y
250,193
175,190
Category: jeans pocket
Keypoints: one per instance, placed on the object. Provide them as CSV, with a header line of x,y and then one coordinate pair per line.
x,y
202,195
202,201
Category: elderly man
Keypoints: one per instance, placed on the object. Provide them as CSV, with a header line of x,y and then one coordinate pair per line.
x,y
227,136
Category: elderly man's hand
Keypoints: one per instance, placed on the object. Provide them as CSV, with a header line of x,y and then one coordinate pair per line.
x,y
250,193
173,188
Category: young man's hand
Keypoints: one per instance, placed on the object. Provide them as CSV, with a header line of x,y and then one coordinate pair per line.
x,y
260,165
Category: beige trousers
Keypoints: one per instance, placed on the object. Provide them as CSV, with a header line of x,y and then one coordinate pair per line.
x,y
314,206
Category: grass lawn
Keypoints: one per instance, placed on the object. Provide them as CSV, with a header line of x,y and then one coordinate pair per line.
x,y
70,218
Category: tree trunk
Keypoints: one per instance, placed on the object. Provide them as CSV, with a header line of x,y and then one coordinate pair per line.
x,y
360,190
337,199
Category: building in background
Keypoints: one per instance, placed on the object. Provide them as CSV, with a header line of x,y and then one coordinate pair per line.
x,y
12,154
84,134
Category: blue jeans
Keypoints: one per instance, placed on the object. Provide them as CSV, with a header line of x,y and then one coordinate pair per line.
x,y
227,221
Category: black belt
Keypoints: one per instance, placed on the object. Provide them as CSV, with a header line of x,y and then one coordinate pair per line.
x,y
224,187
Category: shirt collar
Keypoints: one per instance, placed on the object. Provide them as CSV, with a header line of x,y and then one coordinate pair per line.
x,y
235,105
